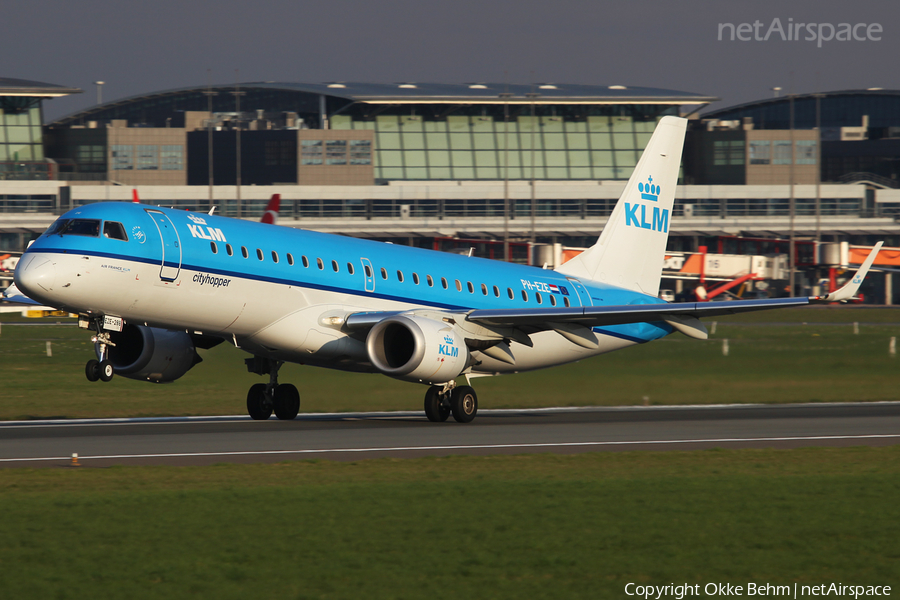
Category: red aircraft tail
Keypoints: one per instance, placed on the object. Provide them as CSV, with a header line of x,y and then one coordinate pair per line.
x,y
271,213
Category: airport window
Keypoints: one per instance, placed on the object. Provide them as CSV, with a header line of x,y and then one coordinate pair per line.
x,y
229,249
259,254
360,152
367,270
736,152
336,152
444,282
334,266
212,246
524,295
147,158
274,256
280,153
566,301
496,291
305,261
759,152
244,251
510,292
88,227
320,264
806,152
458,286
471,287
310,152
350,268
123,158
484,291
416,278
399,275
171,158
537,298
429,281
552,300
290,258
383,273
781,154
114,231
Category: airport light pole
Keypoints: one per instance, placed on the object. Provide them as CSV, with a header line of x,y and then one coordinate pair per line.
x,y
793,202
209,95
237,133
506,96
99,85
533,96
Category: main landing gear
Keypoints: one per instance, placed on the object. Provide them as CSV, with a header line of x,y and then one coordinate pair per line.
x,y
265,398
441,401
100,369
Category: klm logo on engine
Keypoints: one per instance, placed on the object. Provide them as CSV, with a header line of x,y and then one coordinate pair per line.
x,y
448,349
210,233
636,214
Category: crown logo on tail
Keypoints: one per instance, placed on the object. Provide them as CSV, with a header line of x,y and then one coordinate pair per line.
x,y
648,190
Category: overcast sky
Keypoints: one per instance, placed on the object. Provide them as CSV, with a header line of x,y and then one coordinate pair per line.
x,y
138,48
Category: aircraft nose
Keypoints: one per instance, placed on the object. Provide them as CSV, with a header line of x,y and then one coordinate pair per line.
x,y
35,276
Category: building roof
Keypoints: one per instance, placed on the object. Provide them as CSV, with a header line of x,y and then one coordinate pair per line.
x,y
783,100
23,87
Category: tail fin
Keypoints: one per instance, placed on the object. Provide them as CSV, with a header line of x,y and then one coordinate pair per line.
x,y
272,208
134,196
631,250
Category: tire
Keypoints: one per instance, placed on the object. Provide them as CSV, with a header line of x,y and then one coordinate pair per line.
x,y
106,370
259,407
92,370
286,402
464,403
435,409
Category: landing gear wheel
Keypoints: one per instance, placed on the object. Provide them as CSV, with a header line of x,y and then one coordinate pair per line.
x,y
92,370
464,403
258,405
106,371
286,402
435,409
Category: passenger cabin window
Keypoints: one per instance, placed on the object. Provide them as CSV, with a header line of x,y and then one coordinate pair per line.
x,y
274,256
229,249
416,278
320,264
114,231
537,298
471,287
244,252
524,295
88,227
429,281
552,300
566,302
212,246
399,275
290,258
496,291
444,282
484,289
383,273
259,254
305,261
367,270
334,266
510,292
350,268
458,286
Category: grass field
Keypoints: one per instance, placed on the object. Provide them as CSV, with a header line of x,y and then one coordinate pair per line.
x,y
811,355
536,526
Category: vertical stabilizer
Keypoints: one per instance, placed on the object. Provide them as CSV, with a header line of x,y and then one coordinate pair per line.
x,y
631,250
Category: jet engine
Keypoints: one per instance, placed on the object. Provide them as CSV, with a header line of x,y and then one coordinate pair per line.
x,y
417,349
151,354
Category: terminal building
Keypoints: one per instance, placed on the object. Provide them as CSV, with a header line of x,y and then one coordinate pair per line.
x,y
467,165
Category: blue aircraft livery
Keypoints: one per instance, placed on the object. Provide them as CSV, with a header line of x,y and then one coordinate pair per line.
x,y
156,285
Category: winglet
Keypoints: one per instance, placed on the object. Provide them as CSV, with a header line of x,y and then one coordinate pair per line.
x,y
849,290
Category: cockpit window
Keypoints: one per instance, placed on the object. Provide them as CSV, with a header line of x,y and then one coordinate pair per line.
x,y
89,227
57,226
114,231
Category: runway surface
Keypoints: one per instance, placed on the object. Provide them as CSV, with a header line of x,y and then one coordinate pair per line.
x,y
349,436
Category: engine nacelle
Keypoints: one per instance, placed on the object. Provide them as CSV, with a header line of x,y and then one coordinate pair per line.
x,y
417,349
151,354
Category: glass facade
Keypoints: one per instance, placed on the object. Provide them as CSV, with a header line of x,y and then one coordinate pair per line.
x,y
20,134
565,144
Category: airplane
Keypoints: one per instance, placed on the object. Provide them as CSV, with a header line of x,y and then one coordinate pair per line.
x,y
154,284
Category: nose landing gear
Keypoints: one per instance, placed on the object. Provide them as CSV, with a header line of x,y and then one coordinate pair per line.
x,y
100,369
